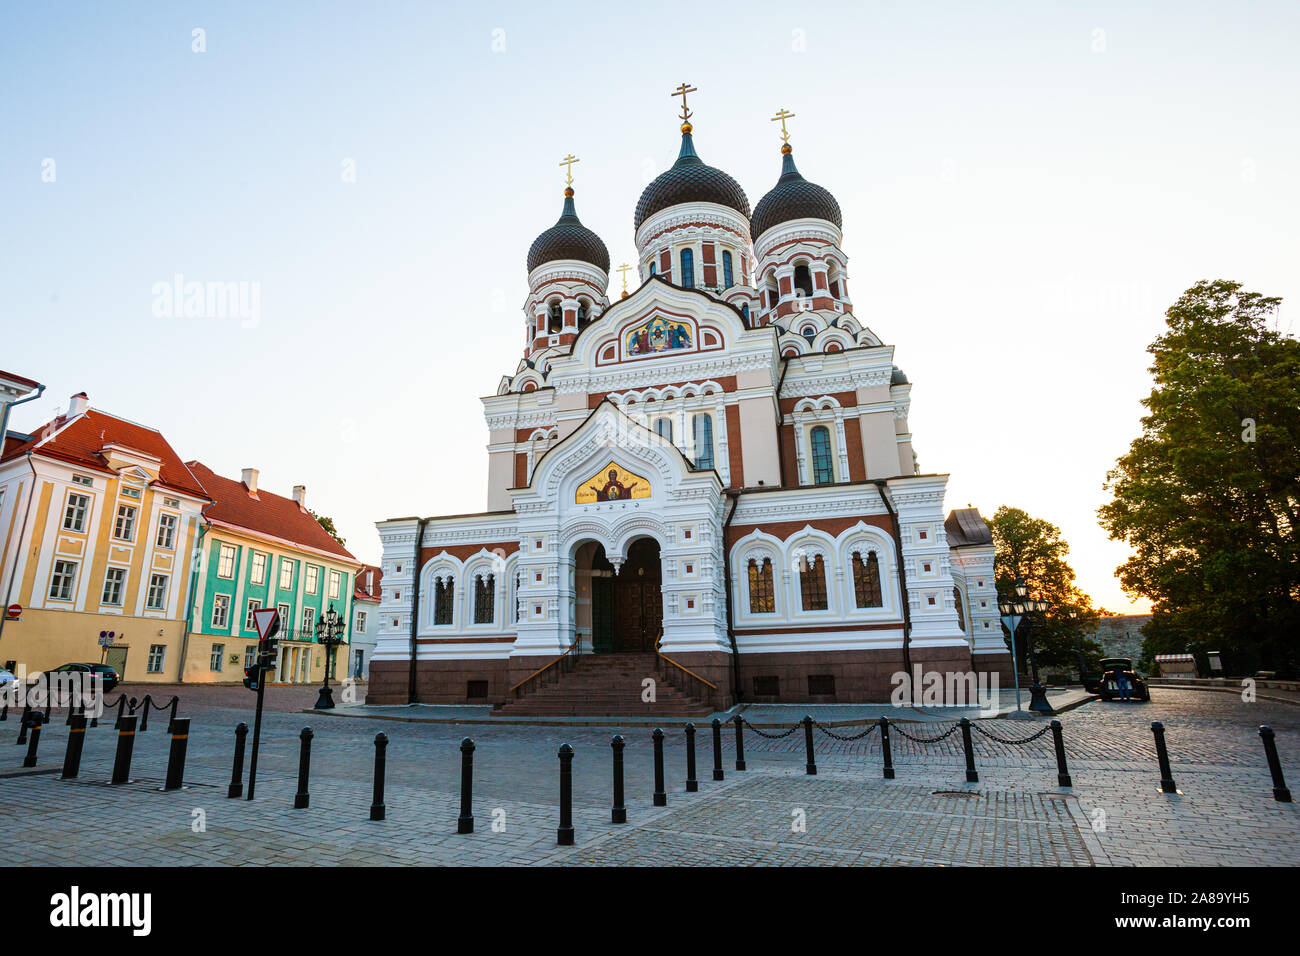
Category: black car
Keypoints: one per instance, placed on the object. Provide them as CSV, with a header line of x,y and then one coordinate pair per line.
x,y
106,672
1112,669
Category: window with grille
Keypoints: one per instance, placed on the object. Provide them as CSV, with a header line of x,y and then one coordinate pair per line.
x,y
812,584
442,600
866,580
823,468
702,435
484,598
761,597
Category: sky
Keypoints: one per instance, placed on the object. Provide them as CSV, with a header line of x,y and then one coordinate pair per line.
x,y
1025,187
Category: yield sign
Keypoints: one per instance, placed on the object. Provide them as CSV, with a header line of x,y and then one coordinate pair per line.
x,y
267,622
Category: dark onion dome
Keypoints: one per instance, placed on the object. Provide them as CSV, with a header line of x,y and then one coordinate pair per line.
x,y
793,197
690,180
896,377
568,239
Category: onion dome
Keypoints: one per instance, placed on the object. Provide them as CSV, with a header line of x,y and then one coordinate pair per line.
x,y
690,180
793,197
568,239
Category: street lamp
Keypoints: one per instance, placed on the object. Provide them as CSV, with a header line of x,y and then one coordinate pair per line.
x,y
1013,612
329,634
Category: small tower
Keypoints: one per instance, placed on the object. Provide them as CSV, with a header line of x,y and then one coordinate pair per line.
x,y
568,273
797,236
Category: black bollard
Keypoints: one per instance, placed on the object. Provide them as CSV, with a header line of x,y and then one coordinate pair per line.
x,y
302,799
619,813
740,742
125,747
971,775
4,711
1062,771
180,731
810,767
1167,784
717,749
145,706
176,702
121,712
76,740
465,822
660,798
22,724
884,748
30,759
1280,793
692,785
377,809
237,772
564,833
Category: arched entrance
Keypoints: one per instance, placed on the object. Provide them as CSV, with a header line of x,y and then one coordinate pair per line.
x,y
627,609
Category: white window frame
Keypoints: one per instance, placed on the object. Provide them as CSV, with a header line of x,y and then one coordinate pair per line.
x,y
286,565
335,585
216,662
166,536
126,515
361,622
254,604
311,581
157,658
161,604
253,576
224,550
221,602
285,612
121,587
77,526
65,572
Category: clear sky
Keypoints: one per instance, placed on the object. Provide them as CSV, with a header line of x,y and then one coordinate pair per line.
x,y
1025,187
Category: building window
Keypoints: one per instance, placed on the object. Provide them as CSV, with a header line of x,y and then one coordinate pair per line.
x,y
218,654
823,468
74,518
157,652
582,313
284,618
250,656
702,435
286,574
114,582
129,492
728,277
335,584
802,281
744,310
83,480
361,622
61,581
442,600
484,598
812,584
166,536
652,267
257,566
664,428
313,579
688,269
156,599
961,614
253,605
761,594
226,562
124,529
555,316
220,610
866,580
308,623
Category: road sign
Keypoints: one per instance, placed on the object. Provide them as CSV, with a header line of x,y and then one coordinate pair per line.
x,y
15,611
106,638
267,622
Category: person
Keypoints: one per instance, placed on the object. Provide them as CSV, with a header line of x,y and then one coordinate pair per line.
x,y
1124,686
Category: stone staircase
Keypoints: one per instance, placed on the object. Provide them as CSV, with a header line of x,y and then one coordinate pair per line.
x,y
606,685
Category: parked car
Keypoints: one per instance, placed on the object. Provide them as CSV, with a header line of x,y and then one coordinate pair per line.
x,y
6,675
106,672
1112,668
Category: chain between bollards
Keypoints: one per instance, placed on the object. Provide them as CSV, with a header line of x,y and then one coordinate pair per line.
x,y
465,822
30,759
236,788
971,775
740,741
1280,793
1167,784
717,749
810,766
180,731
76,740
660,797
1062,771
302,799
692,785
618,814
125,747
377,808
884,748
564,833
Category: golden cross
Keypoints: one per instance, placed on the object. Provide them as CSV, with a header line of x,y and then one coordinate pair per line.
x,y
568,162
682,91
783,115
623,269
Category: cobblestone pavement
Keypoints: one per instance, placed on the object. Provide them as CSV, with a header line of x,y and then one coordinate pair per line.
x,y
772,814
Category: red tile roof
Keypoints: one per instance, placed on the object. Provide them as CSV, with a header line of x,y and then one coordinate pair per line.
x,y
83,438
377,577
267,514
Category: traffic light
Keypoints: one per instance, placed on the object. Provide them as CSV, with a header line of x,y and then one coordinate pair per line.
x,y
253,676
269,647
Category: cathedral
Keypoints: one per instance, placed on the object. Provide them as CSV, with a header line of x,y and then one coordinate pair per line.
x,y
711,475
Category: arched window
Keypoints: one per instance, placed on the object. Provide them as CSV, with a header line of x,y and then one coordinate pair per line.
x,y
809,332
582,313
866,580
688,269
823,469
702,435
761,599
485,591
652,267
664,428
812,584
961,613
555,316
802,281
443,590
744,310
728,277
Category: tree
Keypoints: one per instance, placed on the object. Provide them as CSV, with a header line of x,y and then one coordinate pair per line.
x,y
1033,549
1208,496
326,522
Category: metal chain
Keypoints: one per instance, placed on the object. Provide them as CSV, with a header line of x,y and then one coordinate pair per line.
x,y
830,733
771,736
925,740
1004,740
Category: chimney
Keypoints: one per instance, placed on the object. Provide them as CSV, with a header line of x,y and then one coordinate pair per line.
x,y
78,404
249,477
300,496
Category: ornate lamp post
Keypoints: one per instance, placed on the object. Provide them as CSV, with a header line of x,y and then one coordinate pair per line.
x,y
329,634
1013,612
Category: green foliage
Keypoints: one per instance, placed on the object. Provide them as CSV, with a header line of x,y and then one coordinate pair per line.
x,y
1033,549
1208,496
326,522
